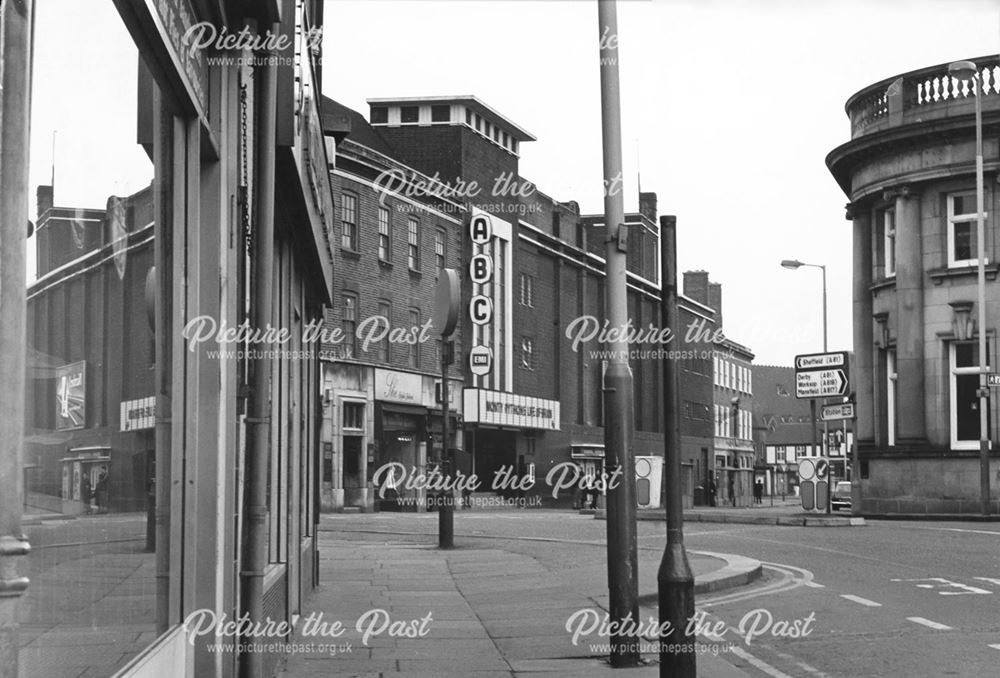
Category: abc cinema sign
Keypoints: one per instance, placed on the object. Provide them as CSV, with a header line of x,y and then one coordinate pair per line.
x,y
480,305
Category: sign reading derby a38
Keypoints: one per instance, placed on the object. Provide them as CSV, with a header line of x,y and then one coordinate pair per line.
x,y
821,375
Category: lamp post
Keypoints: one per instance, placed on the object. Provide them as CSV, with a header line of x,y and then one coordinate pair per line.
x,y
967,70
794,264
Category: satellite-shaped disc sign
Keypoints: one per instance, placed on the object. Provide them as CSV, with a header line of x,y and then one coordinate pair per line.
x,y
446,303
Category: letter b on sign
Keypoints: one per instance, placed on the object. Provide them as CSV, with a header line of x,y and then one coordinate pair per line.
x,y
481,269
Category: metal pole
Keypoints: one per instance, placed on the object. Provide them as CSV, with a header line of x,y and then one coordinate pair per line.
x,y
623,567
675,580
15,109
254,552
984,441
446,511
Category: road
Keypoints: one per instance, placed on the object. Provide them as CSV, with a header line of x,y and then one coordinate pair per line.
x,y
890,599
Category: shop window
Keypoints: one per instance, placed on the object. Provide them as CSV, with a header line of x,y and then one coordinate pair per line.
x,y
964,402
413,240
384,235
889,242
962,229
349,222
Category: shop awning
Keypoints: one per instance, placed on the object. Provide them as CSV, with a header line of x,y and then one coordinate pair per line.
x,y
404,409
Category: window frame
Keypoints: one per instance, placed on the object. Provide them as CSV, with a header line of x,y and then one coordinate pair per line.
x,y
953,372
952,220
527,361
891,396
385,238
440,258
889,242
527,296
413,350
413,243
350,338
349,243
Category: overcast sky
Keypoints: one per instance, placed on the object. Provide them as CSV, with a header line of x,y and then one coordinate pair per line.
x,y
729,108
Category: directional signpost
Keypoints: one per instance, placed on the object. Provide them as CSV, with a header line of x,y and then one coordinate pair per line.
x,y
823,375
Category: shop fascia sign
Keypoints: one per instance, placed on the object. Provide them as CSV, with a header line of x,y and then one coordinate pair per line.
x,y
398,387
158,28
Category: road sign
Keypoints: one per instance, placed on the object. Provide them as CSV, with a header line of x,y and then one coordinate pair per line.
x,y
837,412
820,361
820,384
480,360
822,469
993,379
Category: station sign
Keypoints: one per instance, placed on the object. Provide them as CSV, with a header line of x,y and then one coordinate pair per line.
x,y
837,412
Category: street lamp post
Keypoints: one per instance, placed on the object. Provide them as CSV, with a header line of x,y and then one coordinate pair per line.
x,y
794,264
967,70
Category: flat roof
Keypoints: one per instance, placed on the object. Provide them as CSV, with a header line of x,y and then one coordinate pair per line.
x,y
469,100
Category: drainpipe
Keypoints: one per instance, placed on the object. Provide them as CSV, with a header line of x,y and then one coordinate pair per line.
x,y
254,555
15,113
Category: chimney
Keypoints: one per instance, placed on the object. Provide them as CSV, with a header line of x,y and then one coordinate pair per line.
x,y
43,197
715,301
647,206
696,286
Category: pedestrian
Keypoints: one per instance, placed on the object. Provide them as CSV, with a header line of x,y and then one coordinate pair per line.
x,y
758,492
732,490
711,491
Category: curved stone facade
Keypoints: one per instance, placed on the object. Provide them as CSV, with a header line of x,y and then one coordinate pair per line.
x,y
909,173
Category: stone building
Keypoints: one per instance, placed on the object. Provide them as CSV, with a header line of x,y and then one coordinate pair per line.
x,y
909,173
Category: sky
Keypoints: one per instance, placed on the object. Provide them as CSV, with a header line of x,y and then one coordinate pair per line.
x,y
729,108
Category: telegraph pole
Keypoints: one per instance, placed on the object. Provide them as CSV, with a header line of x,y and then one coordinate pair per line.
x,y
15,112
445,319
623,571
675,580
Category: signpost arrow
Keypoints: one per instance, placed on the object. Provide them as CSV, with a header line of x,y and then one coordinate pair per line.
x,y
820,384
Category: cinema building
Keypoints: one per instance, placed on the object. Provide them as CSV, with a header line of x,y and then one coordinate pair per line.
x,y
527,390
908,171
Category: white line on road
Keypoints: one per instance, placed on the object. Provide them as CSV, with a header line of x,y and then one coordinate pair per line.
x,y
759,663
815,585
928,623
860,600
995,646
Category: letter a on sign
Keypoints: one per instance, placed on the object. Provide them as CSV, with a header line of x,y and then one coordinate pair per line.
x,y
481,229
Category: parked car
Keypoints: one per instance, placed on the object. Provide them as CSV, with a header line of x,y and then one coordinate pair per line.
x,y
841,496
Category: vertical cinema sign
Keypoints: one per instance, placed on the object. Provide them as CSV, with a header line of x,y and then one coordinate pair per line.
x,y
480,305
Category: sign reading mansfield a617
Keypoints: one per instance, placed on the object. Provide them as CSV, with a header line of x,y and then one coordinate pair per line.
x,y
821,375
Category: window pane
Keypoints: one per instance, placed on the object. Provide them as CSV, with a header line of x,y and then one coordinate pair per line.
x,y
965,240
409,114
964,203
441,113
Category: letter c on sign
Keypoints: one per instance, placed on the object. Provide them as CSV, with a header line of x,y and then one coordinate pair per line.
x,y
481,309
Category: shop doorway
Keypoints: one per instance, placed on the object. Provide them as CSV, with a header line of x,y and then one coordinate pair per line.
x,y
495,449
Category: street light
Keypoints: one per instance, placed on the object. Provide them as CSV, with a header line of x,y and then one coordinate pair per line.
x,y
964,71
794,264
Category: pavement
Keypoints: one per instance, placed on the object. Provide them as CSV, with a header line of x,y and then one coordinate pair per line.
x,y
786,512
483,609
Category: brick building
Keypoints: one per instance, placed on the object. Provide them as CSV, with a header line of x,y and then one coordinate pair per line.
x,y
89,422
451,164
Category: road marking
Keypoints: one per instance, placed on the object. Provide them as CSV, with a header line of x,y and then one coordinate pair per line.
x,y
963,589
989,579
814,585
995,646
954,529
860,600
801,664
928,623
759,663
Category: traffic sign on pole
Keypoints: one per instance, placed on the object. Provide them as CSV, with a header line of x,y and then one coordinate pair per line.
x,y
820,384
820,361
993,379
837,412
